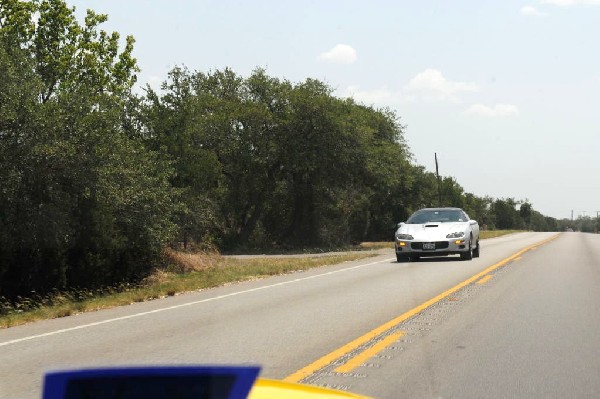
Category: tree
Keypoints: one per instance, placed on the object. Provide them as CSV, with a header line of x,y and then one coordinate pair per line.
x,y
452,193
525,211
83,202
506,215
274,158
68,56
480,209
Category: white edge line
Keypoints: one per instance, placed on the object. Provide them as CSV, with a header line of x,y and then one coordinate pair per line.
x,y
64,330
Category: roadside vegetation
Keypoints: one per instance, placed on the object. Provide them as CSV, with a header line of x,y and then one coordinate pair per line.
x,y
497,233
186,272
97,180
183,272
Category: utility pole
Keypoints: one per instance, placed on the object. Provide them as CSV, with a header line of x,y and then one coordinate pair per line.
x,y
437,173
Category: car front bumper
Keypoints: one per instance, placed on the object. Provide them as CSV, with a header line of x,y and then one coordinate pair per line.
x,y
431,248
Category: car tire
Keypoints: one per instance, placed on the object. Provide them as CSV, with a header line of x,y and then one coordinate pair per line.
x,y
467,255
401,258
476,250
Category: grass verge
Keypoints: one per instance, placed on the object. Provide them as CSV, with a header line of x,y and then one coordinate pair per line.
x,y
187,272
497,233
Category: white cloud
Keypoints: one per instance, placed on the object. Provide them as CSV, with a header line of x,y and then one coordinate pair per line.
x,y
429,85
498,110
531,11
155,82
340,54
568,3
432,84
381,96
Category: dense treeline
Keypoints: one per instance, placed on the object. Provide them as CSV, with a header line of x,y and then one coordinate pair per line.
x,y
262,161
83,202
583,223
95,181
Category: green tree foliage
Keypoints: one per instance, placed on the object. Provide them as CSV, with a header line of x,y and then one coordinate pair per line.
x,y
278,162
506,214
82,203
539,222
525,212
583,223
509,213
68,56
480,209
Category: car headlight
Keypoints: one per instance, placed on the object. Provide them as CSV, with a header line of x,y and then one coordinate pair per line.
x,y
404,237
457,234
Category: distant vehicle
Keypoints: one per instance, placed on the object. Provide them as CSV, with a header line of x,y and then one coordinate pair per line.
x,y
437,232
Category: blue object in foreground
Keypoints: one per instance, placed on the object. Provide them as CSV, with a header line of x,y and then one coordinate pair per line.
x,y
186,382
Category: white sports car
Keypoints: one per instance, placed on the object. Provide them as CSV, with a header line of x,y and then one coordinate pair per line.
x,y
437,232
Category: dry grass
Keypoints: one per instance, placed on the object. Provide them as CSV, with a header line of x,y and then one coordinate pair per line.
x,y
158,276
376,245
497,233
187,262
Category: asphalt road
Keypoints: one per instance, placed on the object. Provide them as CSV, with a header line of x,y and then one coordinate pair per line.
x,y
498,326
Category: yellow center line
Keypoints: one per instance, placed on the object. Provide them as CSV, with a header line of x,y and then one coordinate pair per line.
x,y
485,279
349,347
369,353
518,258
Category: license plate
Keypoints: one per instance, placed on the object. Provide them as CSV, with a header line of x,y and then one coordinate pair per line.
x,y
429,245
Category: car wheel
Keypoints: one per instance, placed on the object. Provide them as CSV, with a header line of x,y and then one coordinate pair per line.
x,y
476,250
467,255
401,258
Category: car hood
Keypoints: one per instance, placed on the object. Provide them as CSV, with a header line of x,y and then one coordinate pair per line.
x,y
432,231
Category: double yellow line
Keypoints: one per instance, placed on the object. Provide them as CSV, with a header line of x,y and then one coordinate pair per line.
x,y
384,328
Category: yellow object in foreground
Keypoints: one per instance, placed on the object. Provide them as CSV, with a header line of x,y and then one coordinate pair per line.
x,y
271,389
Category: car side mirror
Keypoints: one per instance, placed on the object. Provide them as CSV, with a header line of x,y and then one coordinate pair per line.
x,y
472,222
400,224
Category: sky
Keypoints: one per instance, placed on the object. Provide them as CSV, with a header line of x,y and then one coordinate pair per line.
x,y
506,92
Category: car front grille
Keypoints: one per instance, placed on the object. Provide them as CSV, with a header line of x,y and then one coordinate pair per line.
x,y
438,245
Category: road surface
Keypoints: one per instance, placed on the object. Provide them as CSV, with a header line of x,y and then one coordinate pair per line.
x,y
520,321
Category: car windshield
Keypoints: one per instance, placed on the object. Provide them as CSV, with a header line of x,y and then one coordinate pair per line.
x,y
442,216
